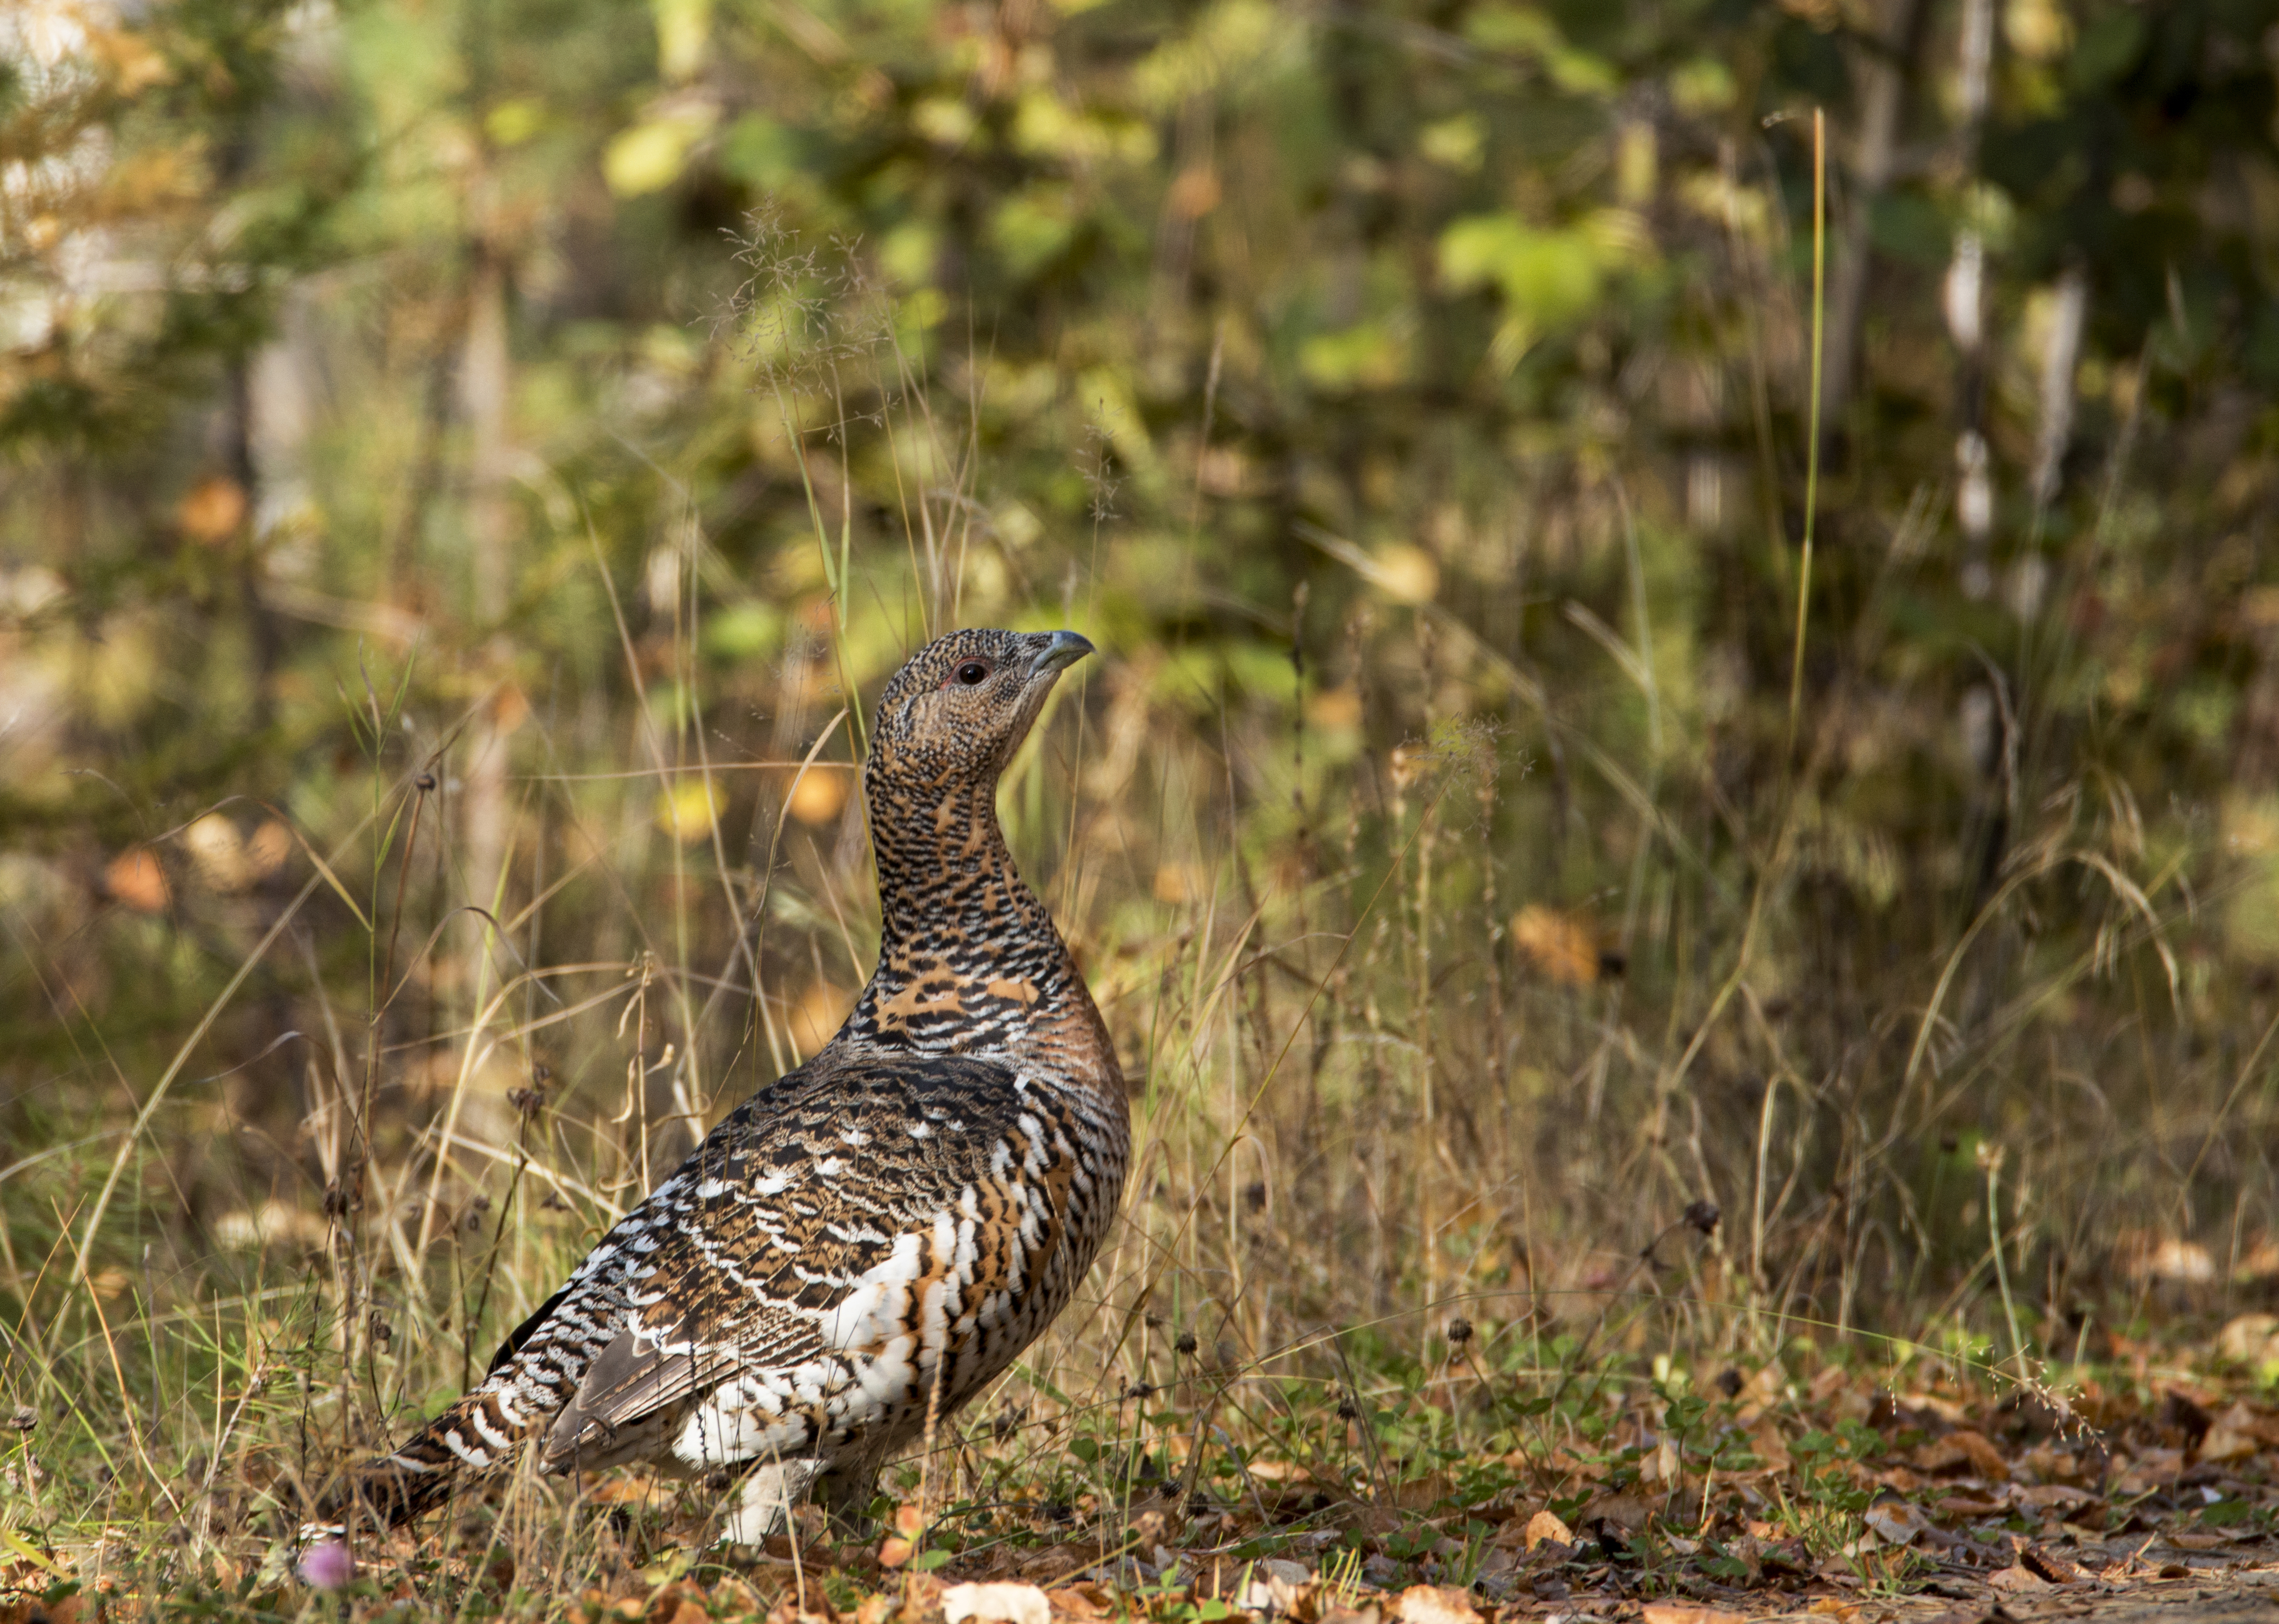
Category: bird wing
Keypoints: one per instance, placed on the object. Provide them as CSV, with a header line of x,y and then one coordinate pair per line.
x,y
808,1222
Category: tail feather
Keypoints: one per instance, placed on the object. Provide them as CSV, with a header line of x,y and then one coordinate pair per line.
x,y
472,1440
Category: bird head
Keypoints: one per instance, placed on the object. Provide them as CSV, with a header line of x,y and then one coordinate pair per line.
x,y
960,706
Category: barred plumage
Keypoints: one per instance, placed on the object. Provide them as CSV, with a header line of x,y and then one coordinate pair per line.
x,y
881,1230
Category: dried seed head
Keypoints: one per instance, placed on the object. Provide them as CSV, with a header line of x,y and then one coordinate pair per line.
x,y
1185,1343
1702,1215
1460,1331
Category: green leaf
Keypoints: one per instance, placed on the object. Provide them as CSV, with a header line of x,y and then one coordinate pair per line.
x,y
1550,276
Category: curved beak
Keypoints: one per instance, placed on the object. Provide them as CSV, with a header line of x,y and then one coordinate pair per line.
x,y
1063,649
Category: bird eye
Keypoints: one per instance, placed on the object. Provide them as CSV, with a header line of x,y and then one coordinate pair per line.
x,y
973,673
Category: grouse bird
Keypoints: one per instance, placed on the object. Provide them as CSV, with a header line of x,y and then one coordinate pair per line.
x,y
873,1238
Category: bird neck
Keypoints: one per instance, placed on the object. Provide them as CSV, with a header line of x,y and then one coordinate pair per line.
x,y
969,960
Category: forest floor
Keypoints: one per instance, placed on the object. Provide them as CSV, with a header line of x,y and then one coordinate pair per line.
x,y
2143,1487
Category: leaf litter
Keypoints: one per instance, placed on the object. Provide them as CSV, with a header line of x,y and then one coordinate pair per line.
x,y
1843,1496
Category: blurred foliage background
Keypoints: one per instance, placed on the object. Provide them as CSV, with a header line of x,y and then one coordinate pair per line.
x,y
465,454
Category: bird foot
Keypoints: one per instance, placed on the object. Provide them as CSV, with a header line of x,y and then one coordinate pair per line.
x,y
764,1503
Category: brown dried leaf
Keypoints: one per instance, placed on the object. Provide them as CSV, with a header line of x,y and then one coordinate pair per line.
x,y
2223,1443
2019,1580
1560,948
2046,1564
1968,1505
1432,1603
1543,1525
1686,1613
1424,1494
1896,1522
1771,1448
2054,1497
2249,1339
1984,1459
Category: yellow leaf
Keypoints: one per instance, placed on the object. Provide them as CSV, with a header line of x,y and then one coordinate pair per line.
x,y
819,795
688,811
651,156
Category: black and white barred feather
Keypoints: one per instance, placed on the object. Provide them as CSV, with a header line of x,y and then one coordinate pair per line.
x,y
881,1232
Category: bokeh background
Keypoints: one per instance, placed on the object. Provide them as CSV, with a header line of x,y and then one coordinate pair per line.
x,y
459,459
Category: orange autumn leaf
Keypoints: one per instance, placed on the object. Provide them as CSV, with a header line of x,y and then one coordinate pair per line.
x,y
213,510
135,879
1558,945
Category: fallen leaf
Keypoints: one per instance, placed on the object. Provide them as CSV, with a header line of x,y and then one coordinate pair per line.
x,y
1004,1603
2046,1564
1985,1459
1686,1613
678,1604
2017,1579
2223,1443
1545,1526
1968,1505
2155,1468
1896,1520
1768,1446
1788,1556
2167,1257
2249,1339
2204,1540
1627,1512
1424,1493
1432,1603
2256,1423
1835,1608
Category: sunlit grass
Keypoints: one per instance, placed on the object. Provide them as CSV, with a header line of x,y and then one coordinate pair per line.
x,y
1410,1053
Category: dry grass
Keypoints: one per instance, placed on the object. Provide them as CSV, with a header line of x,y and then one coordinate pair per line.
x,y
1468,978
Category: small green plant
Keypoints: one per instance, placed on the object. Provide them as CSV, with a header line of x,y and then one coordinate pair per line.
x,y
1823,1509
